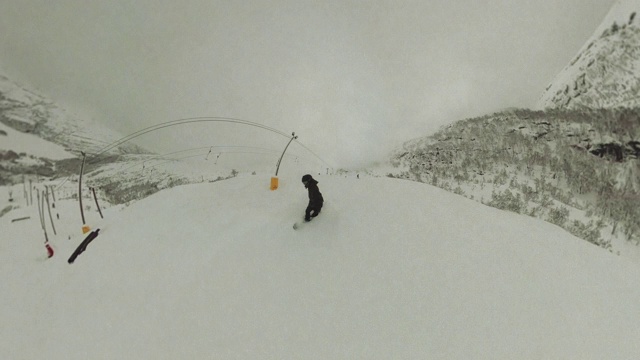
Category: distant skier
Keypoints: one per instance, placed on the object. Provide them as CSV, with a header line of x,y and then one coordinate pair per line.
x,y
315,198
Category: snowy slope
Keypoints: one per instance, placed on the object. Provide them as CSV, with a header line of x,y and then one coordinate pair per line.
x,y
391,269
606,71
20,142
27,111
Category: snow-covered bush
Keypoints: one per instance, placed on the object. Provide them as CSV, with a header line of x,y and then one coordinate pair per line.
x,y
558,215
589,232
506,200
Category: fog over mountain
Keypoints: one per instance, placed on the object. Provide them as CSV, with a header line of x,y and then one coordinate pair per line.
x,y
351,78
509,234
575,157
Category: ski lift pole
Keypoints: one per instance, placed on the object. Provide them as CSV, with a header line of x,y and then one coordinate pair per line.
x,y
41,215
46,194
53,195
24,189
93,190
274,179
85,228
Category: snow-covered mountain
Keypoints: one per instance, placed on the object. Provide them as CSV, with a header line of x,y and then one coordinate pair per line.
x,y
572,158
28,112
606,71
569,167
40,139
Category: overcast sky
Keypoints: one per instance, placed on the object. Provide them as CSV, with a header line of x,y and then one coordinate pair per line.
x,y
352,78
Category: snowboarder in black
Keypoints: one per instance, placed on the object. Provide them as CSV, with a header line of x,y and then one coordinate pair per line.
x,y
315,198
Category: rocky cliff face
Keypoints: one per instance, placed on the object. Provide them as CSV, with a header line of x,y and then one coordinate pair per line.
x,y
606,71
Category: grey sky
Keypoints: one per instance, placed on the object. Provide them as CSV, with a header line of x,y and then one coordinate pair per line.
x,y
352,78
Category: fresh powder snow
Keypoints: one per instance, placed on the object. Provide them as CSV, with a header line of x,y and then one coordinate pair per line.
x,y
391,269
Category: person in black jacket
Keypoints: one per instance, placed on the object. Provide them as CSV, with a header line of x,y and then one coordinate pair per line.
x,y
315,198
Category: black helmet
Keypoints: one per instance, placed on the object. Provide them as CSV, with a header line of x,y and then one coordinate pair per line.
x,y
306,178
